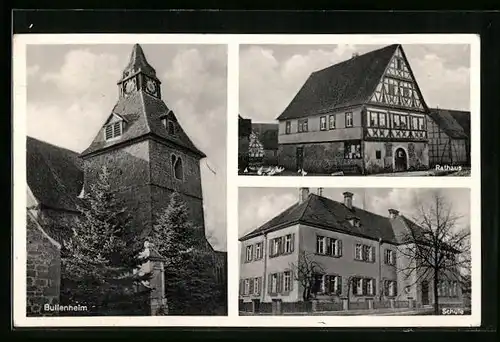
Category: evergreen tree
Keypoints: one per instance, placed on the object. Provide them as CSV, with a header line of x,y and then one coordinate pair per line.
x,y
102,253
190,283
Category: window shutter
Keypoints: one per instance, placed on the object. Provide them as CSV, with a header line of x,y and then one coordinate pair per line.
x,y
373,253
250,290
292,247
279,285
339,285
395,288
281,245
260,285
354,285
291,279
339,246
386,257
241,286
109,132
374,287
243,253
386,288
271,245
269,283
117,129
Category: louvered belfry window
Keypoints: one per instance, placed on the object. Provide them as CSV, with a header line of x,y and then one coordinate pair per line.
x,y
113,130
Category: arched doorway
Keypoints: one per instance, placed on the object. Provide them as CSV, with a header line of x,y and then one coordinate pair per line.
x,y
400,160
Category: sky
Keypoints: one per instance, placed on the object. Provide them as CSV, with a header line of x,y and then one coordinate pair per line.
x,y
271,75
259,205
72,89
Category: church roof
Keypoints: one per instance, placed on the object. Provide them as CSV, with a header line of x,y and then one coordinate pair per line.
x,y
138,63
54,174
328,214
345,84
142,114
456,124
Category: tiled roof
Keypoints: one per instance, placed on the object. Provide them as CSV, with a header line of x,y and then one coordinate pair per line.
x,y
143,114
267,134
348,83
54,174
331,215
446,119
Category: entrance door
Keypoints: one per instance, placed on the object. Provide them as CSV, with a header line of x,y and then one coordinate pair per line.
x,y
300,158
425,292
400,160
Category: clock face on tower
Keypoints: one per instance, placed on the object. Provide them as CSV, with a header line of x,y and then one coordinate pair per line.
x,y
151,87
130,86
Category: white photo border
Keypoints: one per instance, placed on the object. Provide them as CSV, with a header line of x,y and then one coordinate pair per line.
x,y
234,181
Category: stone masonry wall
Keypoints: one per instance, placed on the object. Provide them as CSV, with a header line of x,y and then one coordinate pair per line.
x,y
43,271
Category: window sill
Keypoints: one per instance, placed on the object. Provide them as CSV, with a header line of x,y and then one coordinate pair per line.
x,y
328,255
365,261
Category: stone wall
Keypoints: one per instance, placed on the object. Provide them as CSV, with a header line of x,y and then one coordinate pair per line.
x,y
43,270
319,158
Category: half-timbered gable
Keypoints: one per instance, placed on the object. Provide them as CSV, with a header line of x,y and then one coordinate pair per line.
x,y
372,101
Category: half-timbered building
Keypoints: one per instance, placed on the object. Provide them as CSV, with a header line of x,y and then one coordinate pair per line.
x,y
449,137
364,115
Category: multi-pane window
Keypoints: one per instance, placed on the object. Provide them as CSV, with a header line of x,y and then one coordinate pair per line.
x,y
258,251
282,245
287,281
113,130
414,122
333,284
390,288
403,121
348,119
246,286
322,123
331,121
288,127
288,243
274,283
364,253
352,150
400,121
373,119
256,286
302,126
395,121
363,286
249,251
328,246
390,257
421,124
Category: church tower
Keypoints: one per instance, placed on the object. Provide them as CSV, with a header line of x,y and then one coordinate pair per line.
x,y
146,150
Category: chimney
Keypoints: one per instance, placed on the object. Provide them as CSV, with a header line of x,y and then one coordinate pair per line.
x,y
348,199
355,54
393,213
320,191
303,194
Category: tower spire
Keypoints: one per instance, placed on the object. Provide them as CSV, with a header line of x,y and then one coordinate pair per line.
x,y
138,64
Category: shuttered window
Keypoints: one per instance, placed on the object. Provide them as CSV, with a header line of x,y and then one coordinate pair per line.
x,y
113,130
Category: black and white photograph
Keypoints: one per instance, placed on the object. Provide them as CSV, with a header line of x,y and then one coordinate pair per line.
x,y
360,251
126,178
349,109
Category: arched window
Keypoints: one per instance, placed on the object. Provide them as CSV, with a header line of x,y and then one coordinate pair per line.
x,y
177,167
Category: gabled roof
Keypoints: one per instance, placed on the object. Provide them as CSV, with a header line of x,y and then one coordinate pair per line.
x,y
244,126
138,63
330,215
54,174
268,134
345,84
446,119
143,113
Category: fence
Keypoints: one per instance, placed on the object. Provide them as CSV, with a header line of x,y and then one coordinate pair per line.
x,y
279,307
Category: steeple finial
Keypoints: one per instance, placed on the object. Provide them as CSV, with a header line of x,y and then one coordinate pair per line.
x,y
138,63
